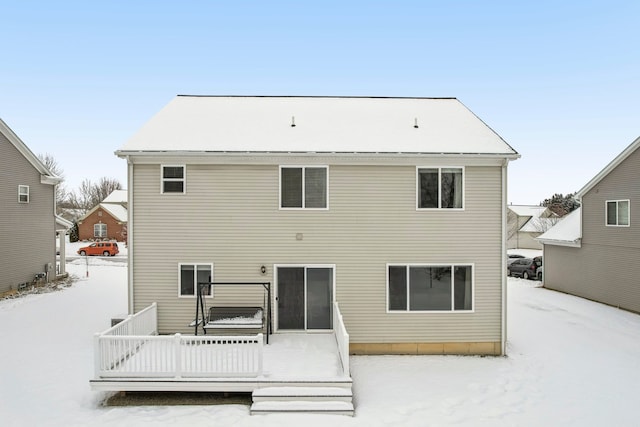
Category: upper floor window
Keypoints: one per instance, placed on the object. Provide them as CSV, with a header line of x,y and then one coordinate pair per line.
x,y
191,275
303,187
618,213
99,230
430,288
173,179
23,194
440,188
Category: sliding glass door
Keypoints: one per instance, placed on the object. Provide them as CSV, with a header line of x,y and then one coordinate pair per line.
x,y
305,297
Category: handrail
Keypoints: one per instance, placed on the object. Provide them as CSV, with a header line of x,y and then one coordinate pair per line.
x,y
133,349
143,322
342,338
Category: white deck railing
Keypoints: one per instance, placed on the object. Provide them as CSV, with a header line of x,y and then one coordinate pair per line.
x,y
143,354
143,322
342,338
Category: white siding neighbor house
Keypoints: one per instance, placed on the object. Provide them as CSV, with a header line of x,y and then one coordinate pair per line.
x,y
392,207
525,223
594,252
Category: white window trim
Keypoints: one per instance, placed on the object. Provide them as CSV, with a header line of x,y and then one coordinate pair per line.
x,y
195,289
23,190
183,180
441,264
617,202
305,266
439,208
303,167
105,229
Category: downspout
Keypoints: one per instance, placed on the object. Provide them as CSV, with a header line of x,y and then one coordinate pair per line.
x,y
503,263
130,245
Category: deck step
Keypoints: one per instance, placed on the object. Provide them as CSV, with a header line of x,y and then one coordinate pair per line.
x,y
293,406
339,394
303,399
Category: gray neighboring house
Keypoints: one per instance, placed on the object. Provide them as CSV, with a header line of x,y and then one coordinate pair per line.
x,y
395,208
525,223
594,252
27,207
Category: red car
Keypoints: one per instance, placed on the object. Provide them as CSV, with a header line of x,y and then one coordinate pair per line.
x,y
100,248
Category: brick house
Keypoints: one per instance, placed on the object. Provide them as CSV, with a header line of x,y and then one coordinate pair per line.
x,y
105,221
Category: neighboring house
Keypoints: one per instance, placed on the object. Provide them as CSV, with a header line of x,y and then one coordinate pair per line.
x,y
525,223
27,206
594,252
107,220
395,208
118,197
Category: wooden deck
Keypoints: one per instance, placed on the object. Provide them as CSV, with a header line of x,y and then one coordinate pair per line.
x,y
294,373
290,359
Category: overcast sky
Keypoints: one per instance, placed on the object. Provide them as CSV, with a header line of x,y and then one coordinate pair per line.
x,y
559,81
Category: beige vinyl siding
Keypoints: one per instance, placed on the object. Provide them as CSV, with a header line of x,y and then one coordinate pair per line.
x,y
527,240
230,217
27,229
605,268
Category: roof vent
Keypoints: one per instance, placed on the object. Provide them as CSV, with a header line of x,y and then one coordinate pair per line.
x,y
293,121
415,123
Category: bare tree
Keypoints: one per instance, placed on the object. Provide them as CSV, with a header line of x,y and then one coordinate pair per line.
x,y
104,187
51,163
89,194
541,225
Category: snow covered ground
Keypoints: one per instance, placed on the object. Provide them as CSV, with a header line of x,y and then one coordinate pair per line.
x,y
571,362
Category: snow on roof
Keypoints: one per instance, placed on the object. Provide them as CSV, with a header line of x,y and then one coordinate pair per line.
x,y
317,124
538,225
63,223
117,196
527,210
567,232
118,212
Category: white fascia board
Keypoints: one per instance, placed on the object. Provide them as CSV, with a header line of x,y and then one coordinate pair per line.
x,y
315,157
607,169
46,176
50,179
569,243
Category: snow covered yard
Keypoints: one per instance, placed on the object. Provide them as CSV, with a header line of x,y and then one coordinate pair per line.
x,y
571,362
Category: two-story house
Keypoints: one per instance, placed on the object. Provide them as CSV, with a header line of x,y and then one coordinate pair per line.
x,y
27,206
594,252
393,207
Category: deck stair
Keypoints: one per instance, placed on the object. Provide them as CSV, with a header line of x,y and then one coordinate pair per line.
x,y
303,399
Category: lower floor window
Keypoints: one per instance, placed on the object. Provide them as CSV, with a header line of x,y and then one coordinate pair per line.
x,y
192,275
430,287
100,230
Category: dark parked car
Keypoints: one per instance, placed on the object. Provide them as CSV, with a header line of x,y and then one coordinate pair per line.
x,y
513,257
522,267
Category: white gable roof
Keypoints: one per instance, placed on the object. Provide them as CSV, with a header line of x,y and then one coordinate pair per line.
x,y
538,225
526,210
117,196
567,232
118,212
233,124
